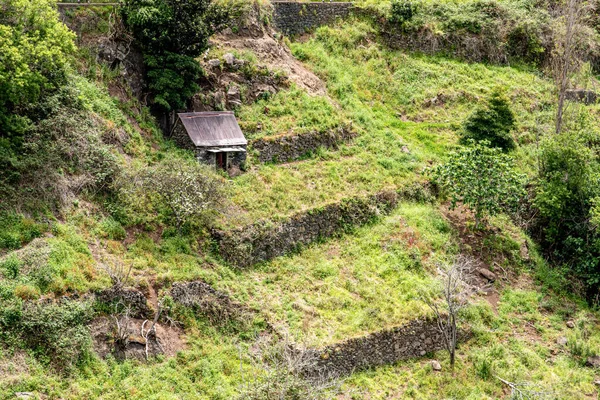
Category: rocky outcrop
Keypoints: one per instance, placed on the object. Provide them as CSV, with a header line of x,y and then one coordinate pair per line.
x,y
265,239
294,18
415,339
283,148
213,304
132,299
230,82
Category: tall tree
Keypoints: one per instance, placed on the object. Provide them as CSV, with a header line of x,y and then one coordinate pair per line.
x,y
573,41
171,34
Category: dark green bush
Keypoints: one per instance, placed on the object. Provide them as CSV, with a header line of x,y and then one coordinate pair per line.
x,y
402,11
171,34
567,199
491,123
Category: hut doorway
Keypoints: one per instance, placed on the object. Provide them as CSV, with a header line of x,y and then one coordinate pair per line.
x,y
221,160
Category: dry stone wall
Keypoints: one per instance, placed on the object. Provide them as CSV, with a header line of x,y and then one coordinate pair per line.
x,y
293,18
265,240
285,148
582,96
415,339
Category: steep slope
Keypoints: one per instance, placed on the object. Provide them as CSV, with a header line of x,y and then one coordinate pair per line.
x,y
405,110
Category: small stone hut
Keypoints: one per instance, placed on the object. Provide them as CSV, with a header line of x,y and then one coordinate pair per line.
x,y
215,137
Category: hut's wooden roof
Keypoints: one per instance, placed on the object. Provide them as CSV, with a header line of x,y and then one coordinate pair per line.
x,y
215,128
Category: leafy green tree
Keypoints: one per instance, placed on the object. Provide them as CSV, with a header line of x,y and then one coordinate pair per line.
x,y
482,178
171,34
492,123
34,53
567,199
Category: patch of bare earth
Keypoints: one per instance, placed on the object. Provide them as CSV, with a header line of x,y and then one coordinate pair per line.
x,y
271,52
473,243
130,338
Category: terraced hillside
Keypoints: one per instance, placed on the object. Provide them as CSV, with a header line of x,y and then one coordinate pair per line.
x,y
317,262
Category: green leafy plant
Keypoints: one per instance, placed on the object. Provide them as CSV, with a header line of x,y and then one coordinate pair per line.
x,y
171,34
402,11
482,178
566,197
492,123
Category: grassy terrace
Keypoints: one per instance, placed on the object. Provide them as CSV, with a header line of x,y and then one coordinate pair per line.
x,y
516,342
393,100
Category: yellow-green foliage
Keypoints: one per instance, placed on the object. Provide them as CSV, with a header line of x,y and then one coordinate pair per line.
x,y
393,100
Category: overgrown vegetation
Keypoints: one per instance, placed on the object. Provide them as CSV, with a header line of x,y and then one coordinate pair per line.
x,y
133,202
171,35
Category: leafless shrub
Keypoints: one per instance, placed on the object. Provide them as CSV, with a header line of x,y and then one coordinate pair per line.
x,y
574,43
284,377
122,332
526,391
117,271
454,293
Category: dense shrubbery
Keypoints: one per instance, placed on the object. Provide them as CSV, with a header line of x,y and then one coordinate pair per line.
x,y
35,50
56,333
481,30
50,144
492,123
567,197
171,34
184,191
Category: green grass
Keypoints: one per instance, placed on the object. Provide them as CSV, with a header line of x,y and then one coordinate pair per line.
x,y
388,97
517,344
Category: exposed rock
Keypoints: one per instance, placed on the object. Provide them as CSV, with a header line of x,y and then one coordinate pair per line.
x,y
293,18
206,300
131,298
24,395
163,339
254,36
229,59
405,149
219,100
593,362
487,274
524,252
264,240
582,95
233,97
562,341
570,324
214,62
436,365
597,382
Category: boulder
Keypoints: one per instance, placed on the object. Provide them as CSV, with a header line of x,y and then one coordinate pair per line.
x,y
229,59
593,362
436,365
487,274
562,341
214,63
570,324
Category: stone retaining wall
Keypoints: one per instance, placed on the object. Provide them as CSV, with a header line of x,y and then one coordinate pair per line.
x,y
415,339
294,18
582,96
266,239
285,148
